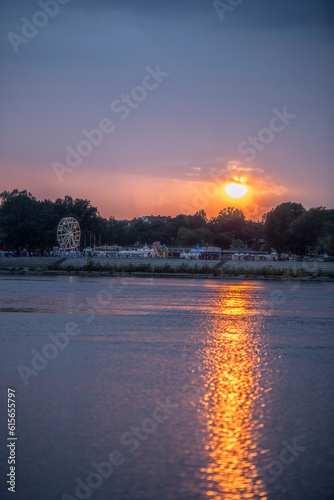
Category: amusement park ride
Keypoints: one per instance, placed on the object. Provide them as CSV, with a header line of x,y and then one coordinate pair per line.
x,y
68,235
160,250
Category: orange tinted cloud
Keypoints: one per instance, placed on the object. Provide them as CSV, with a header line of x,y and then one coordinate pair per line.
x,y
207,188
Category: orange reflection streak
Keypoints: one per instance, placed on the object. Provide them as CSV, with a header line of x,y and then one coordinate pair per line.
x,y
231,390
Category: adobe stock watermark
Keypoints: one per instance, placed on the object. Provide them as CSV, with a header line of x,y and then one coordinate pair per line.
x,y
31,28
222,8
266,135
131,439
57,342
288,455
122,107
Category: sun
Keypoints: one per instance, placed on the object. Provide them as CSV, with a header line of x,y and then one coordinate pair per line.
x,y
236,190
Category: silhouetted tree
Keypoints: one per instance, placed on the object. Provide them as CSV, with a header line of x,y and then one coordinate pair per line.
x,y
31,224
307,229
230,220
277,225
222,240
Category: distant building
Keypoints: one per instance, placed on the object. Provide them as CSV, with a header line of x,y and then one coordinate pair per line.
x,y
134,221
156,218
149,219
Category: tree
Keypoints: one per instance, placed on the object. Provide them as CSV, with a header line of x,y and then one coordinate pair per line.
x,y
326,241
186,236
228,220
222,241
307,229
251,232
202,236
31,224
277,225
239,244
180,221
28,223
20,219
197,221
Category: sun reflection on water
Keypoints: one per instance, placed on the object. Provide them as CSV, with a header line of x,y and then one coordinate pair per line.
x,y
231,388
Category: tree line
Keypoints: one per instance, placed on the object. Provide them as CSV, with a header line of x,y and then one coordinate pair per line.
x,y
31,224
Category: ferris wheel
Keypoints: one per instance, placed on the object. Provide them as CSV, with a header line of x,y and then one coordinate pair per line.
x,y
68,234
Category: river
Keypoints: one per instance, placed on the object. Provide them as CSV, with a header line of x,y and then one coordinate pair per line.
x,y
168,389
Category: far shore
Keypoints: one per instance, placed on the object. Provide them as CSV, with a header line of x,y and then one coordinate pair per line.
x,y
226,277
170,268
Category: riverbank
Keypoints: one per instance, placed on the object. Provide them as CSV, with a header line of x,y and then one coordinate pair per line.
x,y
212,270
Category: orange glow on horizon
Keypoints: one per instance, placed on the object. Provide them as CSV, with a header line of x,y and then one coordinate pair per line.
x,y
125,196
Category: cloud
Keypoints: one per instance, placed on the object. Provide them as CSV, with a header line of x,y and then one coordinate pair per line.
x,y
258,14
219,170
266,14
263,202
205,188
236,166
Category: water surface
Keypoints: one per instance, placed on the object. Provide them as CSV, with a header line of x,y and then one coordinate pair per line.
x,y
246,368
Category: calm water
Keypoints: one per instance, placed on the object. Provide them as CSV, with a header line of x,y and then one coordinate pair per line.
x,y
205,389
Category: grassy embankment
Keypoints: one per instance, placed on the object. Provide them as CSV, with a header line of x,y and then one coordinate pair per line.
x,y
184,268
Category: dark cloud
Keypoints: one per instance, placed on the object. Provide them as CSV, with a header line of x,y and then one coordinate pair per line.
x,y
252,14
258,14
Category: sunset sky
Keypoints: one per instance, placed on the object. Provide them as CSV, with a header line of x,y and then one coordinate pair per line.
x,y
190,97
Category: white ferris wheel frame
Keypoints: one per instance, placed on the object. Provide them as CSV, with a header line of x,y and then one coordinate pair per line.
x,y
69,234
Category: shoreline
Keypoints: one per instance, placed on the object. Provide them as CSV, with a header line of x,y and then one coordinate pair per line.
x,y
170,268
168,275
